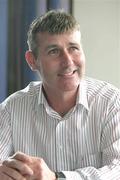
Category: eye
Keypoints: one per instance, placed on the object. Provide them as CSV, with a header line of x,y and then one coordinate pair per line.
x,y
54,52
74,48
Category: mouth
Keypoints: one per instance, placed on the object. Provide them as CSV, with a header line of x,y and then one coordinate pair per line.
x,y
68,74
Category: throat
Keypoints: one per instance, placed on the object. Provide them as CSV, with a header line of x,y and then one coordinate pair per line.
x,y
62,105
63,113
61,102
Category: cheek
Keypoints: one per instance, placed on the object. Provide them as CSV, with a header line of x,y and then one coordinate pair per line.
x,y
43,65
48,69
80,60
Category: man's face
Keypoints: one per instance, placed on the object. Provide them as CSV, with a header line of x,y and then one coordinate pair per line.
x,y
60,61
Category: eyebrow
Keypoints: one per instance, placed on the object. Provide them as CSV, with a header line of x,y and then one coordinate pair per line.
x,y
74,44
56,45
51,46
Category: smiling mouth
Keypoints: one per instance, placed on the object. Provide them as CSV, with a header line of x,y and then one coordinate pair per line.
x,y
67,74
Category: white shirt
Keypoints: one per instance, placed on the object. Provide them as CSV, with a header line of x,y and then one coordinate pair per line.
x,y
84,144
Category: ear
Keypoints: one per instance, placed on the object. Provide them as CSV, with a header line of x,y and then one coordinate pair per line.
x,y
30,58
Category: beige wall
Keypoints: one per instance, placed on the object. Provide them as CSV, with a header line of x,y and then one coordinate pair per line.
x,y
100,27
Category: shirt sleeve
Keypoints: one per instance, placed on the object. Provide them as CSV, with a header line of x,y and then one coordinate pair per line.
x,y
110,149
6,147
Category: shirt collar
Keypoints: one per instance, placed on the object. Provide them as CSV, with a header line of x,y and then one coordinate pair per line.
x,y
41,98
82,94
81,97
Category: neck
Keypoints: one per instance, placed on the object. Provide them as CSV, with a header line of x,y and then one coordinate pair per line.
x,y
61,102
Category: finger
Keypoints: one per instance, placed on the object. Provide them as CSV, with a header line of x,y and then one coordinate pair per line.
x,y
10,174
19,166
22,157
5,177
30,177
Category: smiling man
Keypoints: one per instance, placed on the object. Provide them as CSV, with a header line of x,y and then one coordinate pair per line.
x,y
66,126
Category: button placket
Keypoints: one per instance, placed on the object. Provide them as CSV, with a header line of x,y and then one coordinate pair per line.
x,y
59,146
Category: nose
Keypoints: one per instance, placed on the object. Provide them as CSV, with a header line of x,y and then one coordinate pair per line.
x,y
66,58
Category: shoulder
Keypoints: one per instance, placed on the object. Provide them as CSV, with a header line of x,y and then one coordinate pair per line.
x,y
30,92
103,89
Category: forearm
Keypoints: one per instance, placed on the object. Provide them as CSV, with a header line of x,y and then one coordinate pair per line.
x,y
111,172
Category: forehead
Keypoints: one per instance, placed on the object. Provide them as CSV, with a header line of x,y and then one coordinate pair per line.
x,y
45,38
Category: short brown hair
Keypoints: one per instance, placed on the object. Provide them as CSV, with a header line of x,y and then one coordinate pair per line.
x,y
53,22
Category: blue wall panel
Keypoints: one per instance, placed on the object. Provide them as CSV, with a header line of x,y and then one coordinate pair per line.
x,y
3,49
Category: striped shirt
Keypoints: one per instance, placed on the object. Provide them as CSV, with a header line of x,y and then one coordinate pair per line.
x,y
84,144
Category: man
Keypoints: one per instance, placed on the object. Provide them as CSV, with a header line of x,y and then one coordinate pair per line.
x,y
67,126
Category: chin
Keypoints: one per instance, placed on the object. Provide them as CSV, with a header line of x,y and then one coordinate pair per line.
x,y
69,87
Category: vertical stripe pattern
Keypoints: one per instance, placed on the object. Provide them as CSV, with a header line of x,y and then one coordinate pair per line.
x,y
84,144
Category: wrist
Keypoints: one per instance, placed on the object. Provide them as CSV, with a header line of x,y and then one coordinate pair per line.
x,y
59,176
53,176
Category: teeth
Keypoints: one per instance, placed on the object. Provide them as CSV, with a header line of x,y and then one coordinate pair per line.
x,y
67,73
70,73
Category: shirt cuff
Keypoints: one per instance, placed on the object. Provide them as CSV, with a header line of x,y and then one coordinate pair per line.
x,y
70,175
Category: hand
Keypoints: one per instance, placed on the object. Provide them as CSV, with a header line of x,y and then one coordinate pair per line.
x,y
10,173
32,168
